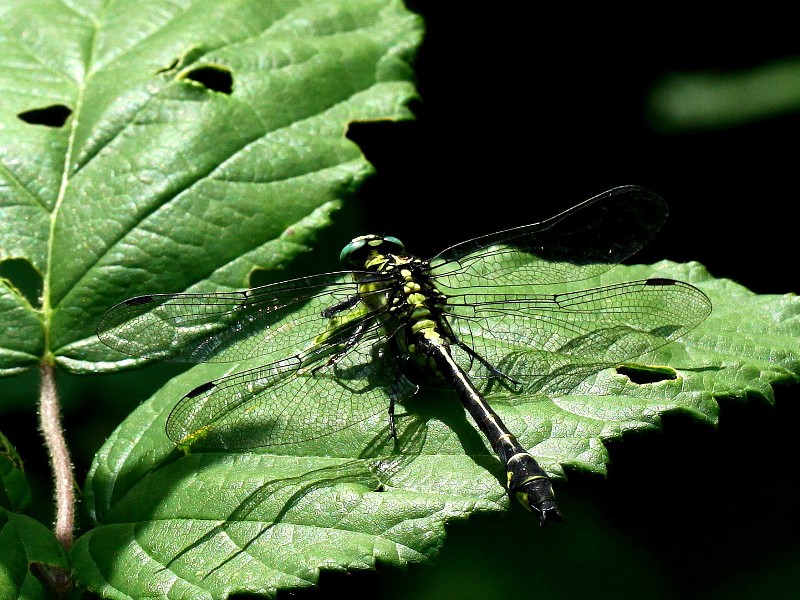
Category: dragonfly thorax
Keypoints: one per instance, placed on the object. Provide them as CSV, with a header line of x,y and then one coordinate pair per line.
x,y
402,283
414,303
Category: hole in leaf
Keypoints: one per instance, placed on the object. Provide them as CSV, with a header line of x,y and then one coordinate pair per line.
x,y
213,77
170,67
190,55
644,374
50,116
24,278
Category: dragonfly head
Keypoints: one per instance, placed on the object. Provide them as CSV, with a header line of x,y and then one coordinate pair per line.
x,y
362,249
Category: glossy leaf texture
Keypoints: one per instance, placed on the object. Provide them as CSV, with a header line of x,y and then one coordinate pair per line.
x,y
176,146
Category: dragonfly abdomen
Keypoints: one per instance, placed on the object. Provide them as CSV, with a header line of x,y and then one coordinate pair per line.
x,y
525,478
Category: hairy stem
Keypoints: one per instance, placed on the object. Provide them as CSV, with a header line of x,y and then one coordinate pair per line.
x,y
50,422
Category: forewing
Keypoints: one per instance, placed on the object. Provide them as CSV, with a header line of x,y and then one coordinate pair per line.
x,y
550,343
577,244
226,326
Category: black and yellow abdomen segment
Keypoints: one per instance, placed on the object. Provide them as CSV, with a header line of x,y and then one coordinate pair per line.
x,y
525,478
528,481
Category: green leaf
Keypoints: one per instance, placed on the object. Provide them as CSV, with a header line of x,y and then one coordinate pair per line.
x,y
22,334
15,493
177,146
684,102
26,545
213,523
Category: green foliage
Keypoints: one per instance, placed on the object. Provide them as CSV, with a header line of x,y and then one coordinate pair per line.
x,y
153,146
26,545
162,177
221,521
686,102
161,146
15,493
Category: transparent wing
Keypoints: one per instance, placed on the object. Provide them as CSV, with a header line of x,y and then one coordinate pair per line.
x,y
552,342
226,326
579,243
331,387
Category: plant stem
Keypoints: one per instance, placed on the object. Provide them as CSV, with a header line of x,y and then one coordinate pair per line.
x,y
50,422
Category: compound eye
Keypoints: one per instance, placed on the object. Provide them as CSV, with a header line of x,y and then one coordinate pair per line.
x,y
395,246
348,255
357,252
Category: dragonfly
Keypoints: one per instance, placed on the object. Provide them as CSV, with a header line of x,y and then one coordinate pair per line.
x,y
478,317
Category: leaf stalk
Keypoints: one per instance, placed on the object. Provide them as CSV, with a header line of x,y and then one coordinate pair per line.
x,y
50,423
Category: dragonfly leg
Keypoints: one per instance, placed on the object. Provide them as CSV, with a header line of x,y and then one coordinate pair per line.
x,y
394,393
355,337
340,307
392,428
491,368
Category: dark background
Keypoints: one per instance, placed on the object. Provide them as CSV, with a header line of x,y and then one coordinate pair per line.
x,y
524,112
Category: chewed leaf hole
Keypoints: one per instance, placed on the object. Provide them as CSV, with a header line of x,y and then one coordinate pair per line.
x,y
24,278
644,374
213,77
191,54
170,67
54,115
